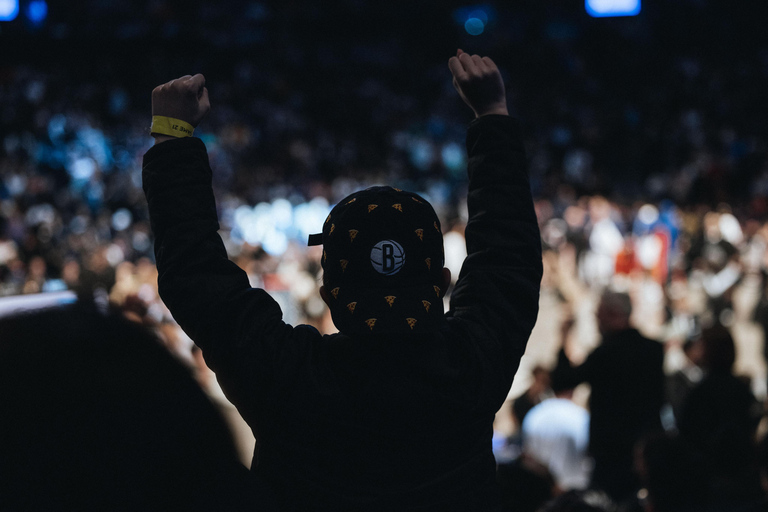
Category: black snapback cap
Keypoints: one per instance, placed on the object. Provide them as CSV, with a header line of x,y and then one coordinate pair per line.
x,y
383,259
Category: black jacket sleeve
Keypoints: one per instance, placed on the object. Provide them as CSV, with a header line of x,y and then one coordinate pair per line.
x,y
208,295
570,376
498,287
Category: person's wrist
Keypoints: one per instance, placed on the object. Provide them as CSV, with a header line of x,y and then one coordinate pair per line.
x,y
170,126
500,110
163,138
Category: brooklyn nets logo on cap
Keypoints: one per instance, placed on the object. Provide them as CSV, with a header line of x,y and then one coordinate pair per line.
x,y
387,257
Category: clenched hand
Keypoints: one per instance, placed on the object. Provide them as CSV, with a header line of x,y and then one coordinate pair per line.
x,y
479,83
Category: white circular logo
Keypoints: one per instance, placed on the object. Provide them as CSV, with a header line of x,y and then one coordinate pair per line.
x,y
387,257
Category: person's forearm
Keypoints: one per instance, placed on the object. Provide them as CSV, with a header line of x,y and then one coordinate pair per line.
x,y
195,274
209,295
502,221
498,286
564,371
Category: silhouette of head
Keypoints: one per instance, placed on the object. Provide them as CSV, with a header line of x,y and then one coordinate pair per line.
x,y
718,349
670,473
382,262
613,312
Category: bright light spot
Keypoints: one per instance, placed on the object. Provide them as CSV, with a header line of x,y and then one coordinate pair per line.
x,y
422,154
114,255
453,156
730,229
275,243
648,214
9,9
282,214
121,219
82,169
474,26
274,225
37,11
606,8
54,285
309,217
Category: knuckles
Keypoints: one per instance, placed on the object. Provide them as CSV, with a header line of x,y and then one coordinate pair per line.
x,y
174,87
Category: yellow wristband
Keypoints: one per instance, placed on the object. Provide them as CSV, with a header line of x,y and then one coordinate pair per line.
x,y
162,125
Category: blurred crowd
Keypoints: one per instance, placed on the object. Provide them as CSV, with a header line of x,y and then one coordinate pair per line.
x,y
668,164
646,138
659,177
709,453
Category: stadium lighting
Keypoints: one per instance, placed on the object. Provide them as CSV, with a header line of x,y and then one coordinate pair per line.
x,y
37,11
474,26
475,18
610,8
9,9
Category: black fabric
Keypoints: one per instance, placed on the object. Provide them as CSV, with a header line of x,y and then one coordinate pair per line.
x,y
382,263
372,422
719,419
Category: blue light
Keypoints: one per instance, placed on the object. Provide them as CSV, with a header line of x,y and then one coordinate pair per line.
x,y
479,14
474,26
609,8
475,18
422,153
453,157
9,9
37,11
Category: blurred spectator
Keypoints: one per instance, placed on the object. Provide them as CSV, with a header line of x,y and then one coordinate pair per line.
x,y
97,415
627,390
605,244
672,479
556,434
507,446
525,484
716,261
760,314
680,383
719,420
539,390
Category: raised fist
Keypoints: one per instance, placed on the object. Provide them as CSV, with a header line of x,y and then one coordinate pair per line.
x,y
479,83
184,98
